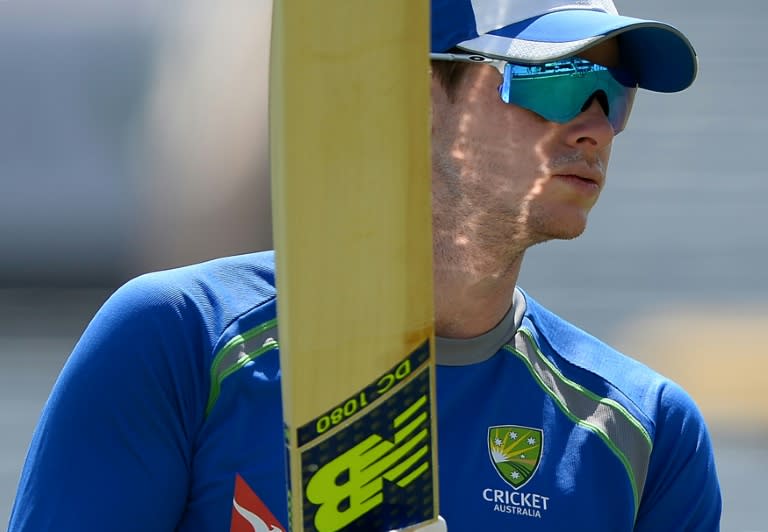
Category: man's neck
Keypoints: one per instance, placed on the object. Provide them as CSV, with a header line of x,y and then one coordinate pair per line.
x,y
468,304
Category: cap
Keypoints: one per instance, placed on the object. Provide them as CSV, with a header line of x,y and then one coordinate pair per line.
x,y
538,31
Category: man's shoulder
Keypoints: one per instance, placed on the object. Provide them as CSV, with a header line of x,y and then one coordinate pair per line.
x,y
251,270
596,366
219,296
573,343
592,376
237,280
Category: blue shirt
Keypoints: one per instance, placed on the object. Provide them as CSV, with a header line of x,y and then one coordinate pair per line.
x,y
167,416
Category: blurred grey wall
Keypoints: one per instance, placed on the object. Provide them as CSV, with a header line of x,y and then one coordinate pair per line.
x,y
133,136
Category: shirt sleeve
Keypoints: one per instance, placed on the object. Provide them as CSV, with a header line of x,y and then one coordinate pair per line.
x,y
682,492
113,447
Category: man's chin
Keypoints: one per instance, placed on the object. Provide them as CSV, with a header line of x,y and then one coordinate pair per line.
x,y
564,231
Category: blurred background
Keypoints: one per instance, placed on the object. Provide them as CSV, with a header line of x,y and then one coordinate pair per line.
x,y
133,137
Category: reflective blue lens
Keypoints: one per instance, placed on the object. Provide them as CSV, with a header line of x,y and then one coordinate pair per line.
x,y
560,90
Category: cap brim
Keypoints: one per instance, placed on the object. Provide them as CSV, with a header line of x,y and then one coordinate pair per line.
x,y
661,57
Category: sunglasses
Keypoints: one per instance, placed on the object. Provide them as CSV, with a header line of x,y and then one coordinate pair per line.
x,y
560,90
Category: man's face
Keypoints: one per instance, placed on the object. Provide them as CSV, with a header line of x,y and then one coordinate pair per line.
x,y
505,176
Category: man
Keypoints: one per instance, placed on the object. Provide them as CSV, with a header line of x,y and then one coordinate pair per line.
x,y
167,416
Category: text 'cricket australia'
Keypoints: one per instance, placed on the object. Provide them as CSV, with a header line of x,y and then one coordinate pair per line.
x,y
516,503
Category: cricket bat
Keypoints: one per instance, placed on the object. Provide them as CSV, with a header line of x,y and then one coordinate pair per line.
x,y
349,135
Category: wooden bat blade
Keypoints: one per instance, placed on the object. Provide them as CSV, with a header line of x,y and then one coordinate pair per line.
x,y
349,131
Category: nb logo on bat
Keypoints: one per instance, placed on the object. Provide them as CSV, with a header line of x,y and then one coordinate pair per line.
x,y
351,486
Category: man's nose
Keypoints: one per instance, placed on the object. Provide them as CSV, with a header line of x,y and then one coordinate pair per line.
x,y
591,128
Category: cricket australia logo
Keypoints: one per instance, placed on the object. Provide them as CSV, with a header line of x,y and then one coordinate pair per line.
x,y
515,452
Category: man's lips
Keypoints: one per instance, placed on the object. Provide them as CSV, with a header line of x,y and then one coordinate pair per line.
x,y
588,186
586,176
